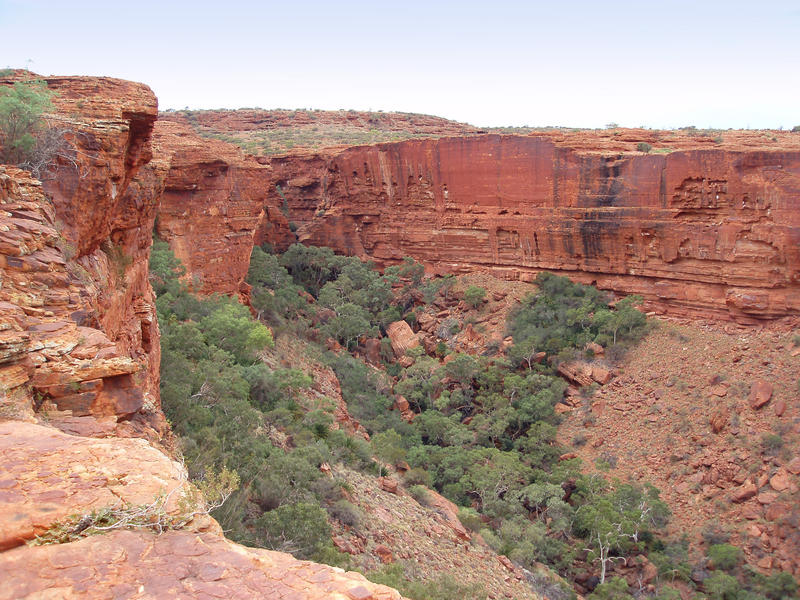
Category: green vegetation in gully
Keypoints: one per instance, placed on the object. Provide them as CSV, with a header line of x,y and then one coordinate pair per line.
x,y
484,434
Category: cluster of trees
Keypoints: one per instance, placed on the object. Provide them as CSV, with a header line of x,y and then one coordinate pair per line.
x,y
226,405
484,433
564,316
359,297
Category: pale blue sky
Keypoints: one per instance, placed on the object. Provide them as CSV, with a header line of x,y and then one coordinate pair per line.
x,y
658,63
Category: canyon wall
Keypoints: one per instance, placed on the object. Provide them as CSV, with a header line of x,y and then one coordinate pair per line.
x,y
703,231
81,337
214,201
79,360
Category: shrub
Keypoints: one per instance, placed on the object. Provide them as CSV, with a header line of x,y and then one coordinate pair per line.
x,y
725,556
346,513
779,586
22,107
721,586
771,443
474,296
644,147
420,494
301,529
615,588
796,129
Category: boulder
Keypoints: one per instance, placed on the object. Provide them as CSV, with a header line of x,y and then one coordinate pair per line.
x,y
745,492
780,481
760,394
402,337
387,484
719,419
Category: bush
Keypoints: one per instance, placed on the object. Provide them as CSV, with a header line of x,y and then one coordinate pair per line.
x,y
725,556
22,107
420,494
771,443
301,529
779,586
346,513
615,588
644,147
721,586
474,296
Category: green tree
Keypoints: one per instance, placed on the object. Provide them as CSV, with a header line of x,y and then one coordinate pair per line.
x,y
474,296
22,107
725,556
615,522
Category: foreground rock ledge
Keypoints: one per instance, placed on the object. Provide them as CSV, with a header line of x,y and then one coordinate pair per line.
x,y
176,564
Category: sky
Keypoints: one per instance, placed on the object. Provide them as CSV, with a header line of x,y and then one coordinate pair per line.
x,y
577,63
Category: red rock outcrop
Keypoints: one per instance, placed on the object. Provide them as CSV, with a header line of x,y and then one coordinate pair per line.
x,y
177,564
214,202
708,231
49,475
80,331
708,226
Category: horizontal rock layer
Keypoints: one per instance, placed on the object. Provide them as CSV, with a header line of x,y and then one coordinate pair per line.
x,y
704,232
80,330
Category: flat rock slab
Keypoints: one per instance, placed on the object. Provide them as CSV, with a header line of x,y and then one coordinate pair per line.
x,y
47,475
176,564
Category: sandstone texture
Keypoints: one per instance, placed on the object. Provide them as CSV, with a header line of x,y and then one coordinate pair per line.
x,y
79,349
80,331
709,231
700,226
48,475
177,564
214,203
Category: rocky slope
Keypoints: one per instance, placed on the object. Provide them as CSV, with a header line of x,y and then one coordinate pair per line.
x,y
708,414
701,225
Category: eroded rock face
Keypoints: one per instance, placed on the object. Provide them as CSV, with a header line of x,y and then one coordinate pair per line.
x,y
215,201
700,231
703,230
80,311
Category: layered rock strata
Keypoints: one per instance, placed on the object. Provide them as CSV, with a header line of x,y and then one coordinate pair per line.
x,y
705,227
698,231
215,200
79,334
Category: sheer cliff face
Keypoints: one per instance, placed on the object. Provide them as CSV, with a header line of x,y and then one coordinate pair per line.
x,y
214,201
708,232
82,336
702,231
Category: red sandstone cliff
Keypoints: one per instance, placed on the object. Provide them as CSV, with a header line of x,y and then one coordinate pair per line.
x,y
214,200
710,226
81,335
79,350
700,231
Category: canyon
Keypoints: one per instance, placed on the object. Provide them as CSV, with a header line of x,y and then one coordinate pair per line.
x,y
701,226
